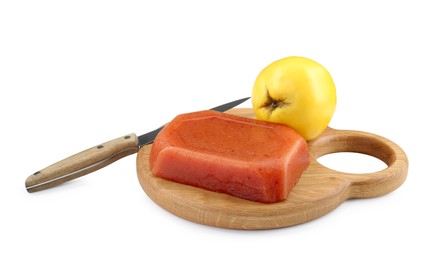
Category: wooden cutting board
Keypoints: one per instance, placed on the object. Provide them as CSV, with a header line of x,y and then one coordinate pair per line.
x,y
319,190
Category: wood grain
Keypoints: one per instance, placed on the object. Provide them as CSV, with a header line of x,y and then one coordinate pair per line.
x,y
319,190
82,163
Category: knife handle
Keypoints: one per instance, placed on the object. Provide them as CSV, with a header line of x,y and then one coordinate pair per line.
x,y
83,163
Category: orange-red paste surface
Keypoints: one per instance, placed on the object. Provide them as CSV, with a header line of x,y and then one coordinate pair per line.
x,y
247,158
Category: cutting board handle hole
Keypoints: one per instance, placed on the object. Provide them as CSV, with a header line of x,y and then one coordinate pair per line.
x,y
354,152
352,162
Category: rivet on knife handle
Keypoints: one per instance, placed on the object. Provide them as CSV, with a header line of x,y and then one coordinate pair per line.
x,y
83,163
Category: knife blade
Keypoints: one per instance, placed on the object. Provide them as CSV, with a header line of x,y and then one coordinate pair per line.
x,y
98,157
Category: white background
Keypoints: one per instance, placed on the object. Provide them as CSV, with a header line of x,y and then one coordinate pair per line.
x,y
74,74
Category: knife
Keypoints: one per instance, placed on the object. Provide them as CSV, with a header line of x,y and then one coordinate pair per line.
x,y
98,157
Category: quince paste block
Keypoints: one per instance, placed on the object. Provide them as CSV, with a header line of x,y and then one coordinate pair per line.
x,y
243,157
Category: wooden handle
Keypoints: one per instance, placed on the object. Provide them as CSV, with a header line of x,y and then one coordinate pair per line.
x,y
369,184
83,163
